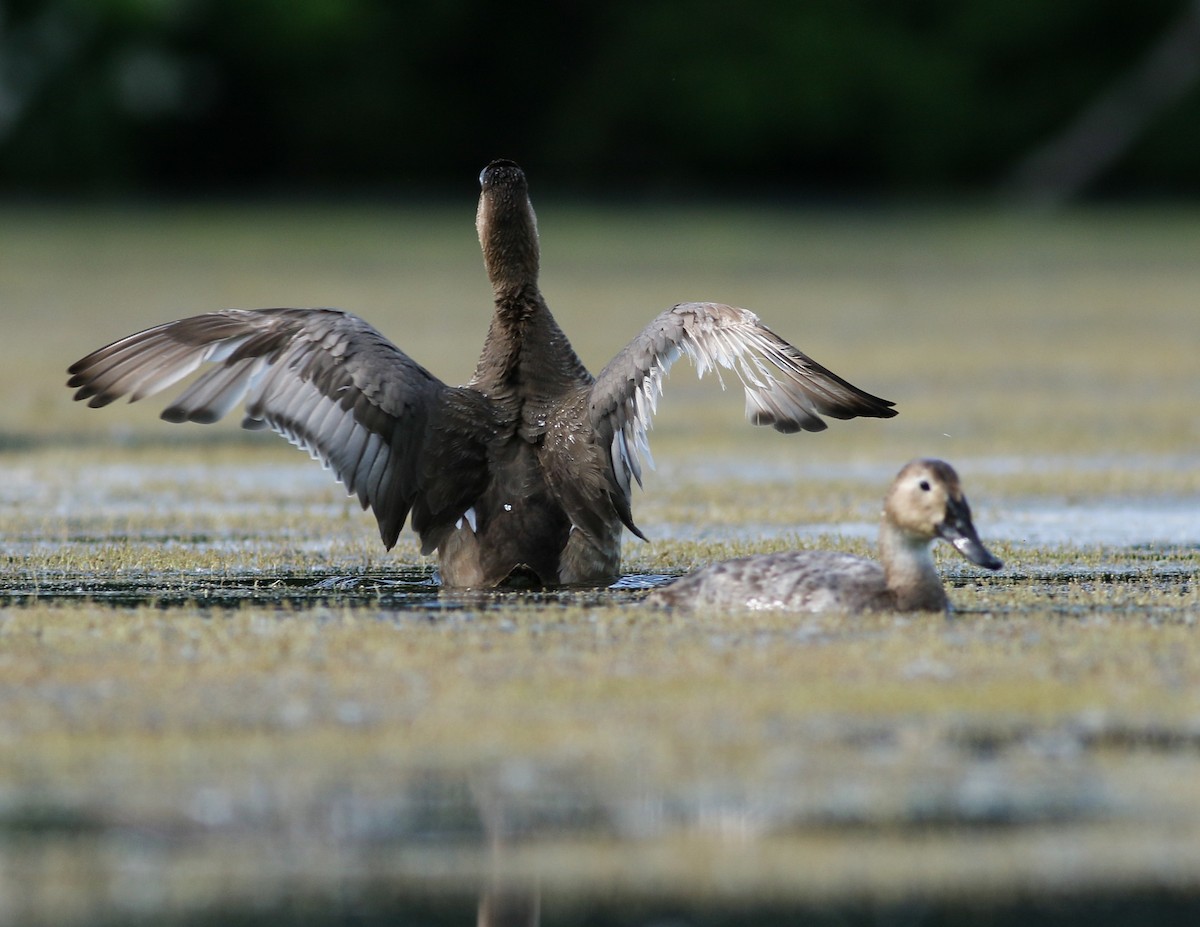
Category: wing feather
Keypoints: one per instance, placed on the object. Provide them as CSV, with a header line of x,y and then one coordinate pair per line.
x,y
366,461
324,379
784,387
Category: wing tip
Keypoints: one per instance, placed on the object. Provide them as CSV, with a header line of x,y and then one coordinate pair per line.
x,y
790,427
870,407
177,415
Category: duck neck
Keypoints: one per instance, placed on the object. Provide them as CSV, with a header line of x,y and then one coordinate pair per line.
x,y
525,345
525,349
912,577
508,237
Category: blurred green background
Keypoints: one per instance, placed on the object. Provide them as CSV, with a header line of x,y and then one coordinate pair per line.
x,y
823,100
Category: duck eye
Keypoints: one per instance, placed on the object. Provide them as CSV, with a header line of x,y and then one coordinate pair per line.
x,y
924,484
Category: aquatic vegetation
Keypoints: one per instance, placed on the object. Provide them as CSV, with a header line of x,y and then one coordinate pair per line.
x,y
214,685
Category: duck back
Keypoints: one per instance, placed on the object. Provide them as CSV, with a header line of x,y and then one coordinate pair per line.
x,y
795,580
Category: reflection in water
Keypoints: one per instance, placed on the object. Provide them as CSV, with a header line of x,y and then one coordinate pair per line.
x,y
863,832
503,902
501,906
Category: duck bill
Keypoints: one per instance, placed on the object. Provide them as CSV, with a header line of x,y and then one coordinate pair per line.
x,y
960,532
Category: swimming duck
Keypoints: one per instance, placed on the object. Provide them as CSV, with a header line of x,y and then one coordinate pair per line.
x,y
522,476
924,503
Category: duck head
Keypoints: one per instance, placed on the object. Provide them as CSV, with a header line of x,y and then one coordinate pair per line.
x,y
507,227
926,502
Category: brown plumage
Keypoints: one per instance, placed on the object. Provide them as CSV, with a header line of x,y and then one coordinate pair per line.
x,y
925,502
524,473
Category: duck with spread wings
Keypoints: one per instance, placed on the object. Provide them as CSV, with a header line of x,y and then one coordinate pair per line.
x,y
524,475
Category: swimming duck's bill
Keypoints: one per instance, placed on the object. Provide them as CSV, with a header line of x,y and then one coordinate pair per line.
x,y
960,531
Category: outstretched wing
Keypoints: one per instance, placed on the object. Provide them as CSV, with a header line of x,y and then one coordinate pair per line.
x,y
784,387
324,379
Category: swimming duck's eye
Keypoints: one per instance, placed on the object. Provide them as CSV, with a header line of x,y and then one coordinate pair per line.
x,y
924,484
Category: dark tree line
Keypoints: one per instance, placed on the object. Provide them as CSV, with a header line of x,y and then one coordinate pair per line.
x,y
819,98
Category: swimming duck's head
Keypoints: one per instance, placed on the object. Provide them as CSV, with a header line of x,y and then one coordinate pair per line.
x,y
507,226
927,502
